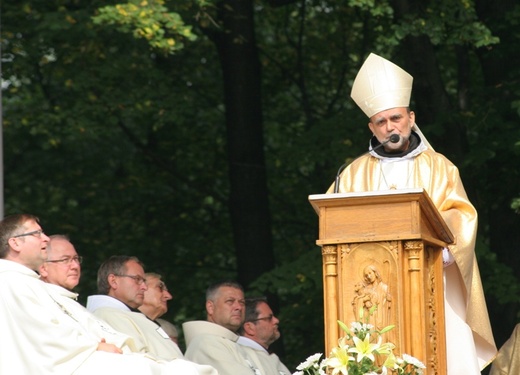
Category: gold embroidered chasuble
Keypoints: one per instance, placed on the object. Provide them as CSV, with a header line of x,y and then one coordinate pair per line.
x,y
440,179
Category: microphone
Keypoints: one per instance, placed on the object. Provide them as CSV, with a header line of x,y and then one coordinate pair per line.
x,y
394,138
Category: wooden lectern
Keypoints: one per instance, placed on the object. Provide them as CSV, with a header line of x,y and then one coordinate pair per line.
x,y
385,249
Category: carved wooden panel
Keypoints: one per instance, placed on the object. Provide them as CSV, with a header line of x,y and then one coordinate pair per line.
x,y
391,261
403,280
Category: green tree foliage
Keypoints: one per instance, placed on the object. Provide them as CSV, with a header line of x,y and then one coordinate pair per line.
x,y
106,141
117,136
149,20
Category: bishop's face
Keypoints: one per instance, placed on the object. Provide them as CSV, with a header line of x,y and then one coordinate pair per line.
x,y
393,121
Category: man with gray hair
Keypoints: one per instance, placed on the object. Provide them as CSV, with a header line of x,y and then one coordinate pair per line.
x,y
214,342
156,297
63,264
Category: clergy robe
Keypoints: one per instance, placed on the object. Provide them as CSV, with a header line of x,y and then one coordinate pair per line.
x,y
43,332
211,344
507,361
269,363
150,337
465,303
96,327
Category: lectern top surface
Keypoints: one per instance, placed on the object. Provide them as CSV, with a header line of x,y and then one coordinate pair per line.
x,y
367,193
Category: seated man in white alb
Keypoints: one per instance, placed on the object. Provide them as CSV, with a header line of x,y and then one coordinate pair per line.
x,y
62,271
214,342
122,284
45,332
259,331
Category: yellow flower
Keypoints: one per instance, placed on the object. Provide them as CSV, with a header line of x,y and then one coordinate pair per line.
x,y
339,359
364,348
349,356
390,362
386,348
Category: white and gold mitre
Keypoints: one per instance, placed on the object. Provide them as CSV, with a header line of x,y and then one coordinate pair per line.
x,y
381,85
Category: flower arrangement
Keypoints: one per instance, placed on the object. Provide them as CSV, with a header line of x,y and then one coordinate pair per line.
x,y
361,352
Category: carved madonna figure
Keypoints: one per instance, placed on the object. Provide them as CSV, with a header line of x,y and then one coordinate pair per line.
x,y
373,291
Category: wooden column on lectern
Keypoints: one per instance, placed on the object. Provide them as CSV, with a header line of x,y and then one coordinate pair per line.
x,y
396,237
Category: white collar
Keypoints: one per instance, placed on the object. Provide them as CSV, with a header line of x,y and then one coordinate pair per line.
x,y
100,300
62,291
203,327
246,341
421,148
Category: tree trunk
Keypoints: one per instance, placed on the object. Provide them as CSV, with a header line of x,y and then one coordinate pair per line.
x,y
249,205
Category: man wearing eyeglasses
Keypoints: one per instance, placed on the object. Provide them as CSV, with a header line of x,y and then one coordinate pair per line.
x,y
63,264
156,297
258,332
45,333
122,285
